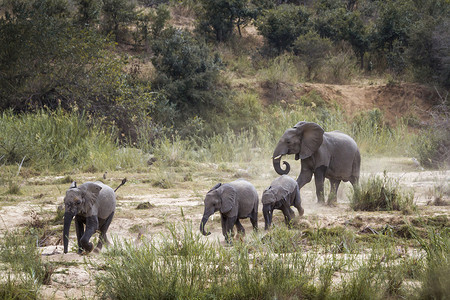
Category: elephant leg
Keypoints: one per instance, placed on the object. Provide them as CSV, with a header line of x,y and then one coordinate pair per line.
x,y
299,208
79,228
254,220
319,177
104,225
332,197
288,215
240,228
91,228
229,224
223,221
298,203
304,177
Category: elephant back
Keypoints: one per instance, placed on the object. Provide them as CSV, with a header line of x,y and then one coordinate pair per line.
x,y
284,186
247,197
106,200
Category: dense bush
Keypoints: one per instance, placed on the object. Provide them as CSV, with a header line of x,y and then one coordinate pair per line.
x,y
432,145
187,75
282,25
61,141
381,194
220,17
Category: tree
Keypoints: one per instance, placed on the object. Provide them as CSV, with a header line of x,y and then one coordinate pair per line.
x,y
221,16
311,48
282,25
187,73
356,34
117,13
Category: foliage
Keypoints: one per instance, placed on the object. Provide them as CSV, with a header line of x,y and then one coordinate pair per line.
x,y
117,14
436,274
221,16
187,74
26,270
58,141
183,264
381,193
432,145
311,48
73,69
282,25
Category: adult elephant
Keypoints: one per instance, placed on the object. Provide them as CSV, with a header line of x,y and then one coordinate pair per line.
x,y
235,200
333,155
92,204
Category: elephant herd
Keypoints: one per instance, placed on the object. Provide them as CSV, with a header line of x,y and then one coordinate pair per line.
x,y
333,155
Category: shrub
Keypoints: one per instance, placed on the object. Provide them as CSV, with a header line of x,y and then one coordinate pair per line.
x,y
282,25
26,271
60,140
312,49
381,193
187,74
433,144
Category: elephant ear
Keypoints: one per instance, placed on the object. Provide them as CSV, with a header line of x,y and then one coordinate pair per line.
x,y
311,136
215,187
90,192
228,196
268,196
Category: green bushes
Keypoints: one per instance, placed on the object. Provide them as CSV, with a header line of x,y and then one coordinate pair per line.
x,y
183,264
381,193
61,141
25,270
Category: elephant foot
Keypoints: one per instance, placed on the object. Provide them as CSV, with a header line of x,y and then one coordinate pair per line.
x,y
332,204
96,250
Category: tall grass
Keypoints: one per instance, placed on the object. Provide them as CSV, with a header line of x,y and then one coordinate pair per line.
x,y
25,272
182,264
60,141
381,194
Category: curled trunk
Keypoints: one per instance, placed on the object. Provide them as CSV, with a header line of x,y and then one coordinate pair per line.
x,y
277,167
67,221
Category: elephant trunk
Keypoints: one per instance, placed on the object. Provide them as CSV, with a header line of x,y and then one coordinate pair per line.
x,y
279,151
267,217
67,221
202,226
276,165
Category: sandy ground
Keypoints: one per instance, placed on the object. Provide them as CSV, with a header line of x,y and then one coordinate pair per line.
x,y
74,276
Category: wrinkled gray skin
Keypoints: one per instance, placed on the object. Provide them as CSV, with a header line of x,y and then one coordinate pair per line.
x,y
333,155
235,200
92,204
282,193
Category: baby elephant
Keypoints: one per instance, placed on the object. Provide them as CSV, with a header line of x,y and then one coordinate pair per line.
x,y
92,204
281,194
235,200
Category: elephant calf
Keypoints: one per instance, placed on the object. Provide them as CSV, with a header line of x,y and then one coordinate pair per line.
x,y
282,193
235,200
92,204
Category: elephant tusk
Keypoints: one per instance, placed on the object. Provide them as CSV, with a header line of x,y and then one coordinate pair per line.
x,y
277,157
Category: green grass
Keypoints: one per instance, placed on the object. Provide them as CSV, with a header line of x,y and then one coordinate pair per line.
x,y
60,141
183,264
382,194
25,272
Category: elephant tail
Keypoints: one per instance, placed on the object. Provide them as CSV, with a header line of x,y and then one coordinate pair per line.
x,y
122,183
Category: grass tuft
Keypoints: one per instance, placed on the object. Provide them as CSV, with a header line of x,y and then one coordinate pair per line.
x,y
381,194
